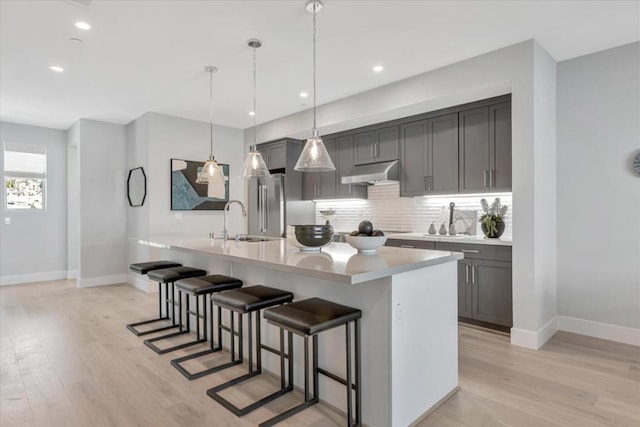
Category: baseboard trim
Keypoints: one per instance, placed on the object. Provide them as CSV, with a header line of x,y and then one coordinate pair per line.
x,y
434,407
534,340
142,283
72,274
102,280
605,331
46,276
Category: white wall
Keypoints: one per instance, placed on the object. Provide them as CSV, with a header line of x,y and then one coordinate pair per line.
x,y
102,203
152,141
598,194
25,244
508,70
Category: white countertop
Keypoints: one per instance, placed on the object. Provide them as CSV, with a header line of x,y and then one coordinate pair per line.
x,y
476,240
337,262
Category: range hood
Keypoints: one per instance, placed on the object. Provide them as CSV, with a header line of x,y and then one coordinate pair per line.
x,y
372,174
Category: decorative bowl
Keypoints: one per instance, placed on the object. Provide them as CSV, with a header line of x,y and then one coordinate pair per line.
x,y
366,244
312,237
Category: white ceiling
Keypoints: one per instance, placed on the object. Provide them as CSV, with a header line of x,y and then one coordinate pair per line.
x,y
147,55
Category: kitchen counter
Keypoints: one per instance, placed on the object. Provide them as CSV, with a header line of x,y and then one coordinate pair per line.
x,y
476,240
408,299
337,262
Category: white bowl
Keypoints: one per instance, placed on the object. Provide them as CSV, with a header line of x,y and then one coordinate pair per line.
x,y
366,244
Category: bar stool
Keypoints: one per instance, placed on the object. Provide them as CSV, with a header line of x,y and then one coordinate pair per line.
x,y
248,301
308,318
168,276
144,268
201,287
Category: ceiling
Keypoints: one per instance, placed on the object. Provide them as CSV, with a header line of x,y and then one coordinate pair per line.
x,y
147,55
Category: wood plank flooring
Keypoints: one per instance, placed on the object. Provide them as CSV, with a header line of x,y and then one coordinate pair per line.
x,y
66,359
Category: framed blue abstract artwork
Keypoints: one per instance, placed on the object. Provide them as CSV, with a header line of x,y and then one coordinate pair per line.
x,y
186,195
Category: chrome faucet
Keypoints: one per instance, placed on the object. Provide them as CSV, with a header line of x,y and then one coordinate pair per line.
x,y
225,232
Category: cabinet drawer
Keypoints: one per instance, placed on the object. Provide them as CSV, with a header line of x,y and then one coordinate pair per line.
x,y
417,244
489,252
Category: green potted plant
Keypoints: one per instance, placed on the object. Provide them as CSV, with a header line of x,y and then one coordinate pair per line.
x,y
492,221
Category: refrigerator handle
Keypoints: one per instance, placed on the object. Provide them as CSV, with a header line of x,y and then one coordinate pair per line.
x,y
260,207
265,208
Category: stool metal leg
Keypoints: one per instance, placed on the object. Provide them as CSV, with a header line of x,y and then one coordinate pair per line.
x,y
177,363
151,342
214,392
358,375
348,346
133,326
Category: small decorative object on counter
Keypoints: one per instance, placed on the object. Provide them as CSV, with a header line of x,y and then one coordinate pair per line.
x,y
366,239
443,229
452,230
492,221
432,229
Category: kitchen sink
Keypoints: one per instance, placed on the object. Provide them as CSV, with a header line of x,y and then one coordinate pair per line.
x,y
245,238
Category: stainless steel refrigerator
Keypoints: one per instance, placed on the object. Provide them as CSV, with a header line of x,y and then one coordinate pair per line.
x,y
269,210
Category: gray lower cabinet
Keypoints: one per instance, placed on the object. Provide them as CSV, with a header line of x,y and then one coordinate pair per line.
x,y
377,145
411,244
484,282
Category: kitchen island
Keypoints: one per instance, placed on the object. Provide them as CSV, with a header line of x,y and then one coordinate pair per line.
x,y
408,299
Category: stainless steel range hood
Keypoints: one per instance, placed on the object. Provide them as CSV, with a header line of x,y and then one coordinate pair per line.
x,y
372,174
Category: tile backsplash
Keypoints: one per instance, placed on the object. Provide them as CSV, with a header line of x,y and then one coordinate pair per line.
x,y
388,211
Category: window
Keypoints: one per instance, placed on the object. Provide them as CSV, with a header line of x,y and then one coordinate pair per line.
x,y
25,176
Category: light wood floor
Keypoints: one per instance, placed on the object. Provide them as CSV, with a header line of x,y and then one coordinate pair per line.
x,y
66,359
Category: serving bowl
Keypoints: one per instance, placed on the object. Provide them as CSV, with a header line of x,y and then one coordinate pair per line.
x,y
366,244
312,237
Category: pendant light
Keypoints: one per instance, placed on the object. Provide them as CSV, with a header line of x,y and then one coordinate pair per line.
x,y
211,171
254,165
314,156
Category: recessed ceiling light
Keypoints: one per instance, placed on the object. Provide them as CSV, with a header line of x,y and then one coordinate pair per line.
x,y
83,25
251,113
56,69
304,95
378,68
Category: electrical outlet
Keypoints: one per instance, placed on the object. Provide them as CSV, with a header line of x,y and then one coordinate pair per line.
x,y
7,220
399,314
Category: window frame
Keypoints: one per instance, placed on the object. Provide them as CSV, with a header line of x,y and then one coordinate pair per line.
x,y
37,149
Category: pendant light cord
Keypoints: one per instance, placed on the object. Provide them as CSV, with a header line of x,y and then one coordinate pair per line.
x,y
254,96
211,109
314,67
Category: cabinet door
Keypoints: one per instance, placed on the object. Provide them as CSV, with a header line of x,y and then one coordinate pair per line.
x,y
320,185
410,244
365,146
345,160
277,156
442,162
264,152
474,150
386,147
500,154
491,285
464,288
413,159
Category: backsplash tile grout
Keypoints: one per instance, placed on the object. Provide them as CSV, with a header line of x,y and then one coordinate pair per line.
x,y
388,211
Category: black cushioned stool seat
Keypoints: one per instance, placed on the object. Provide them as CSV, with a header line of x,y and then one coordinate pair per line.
x,y
201,287
308,318
172,274
146,268
248,301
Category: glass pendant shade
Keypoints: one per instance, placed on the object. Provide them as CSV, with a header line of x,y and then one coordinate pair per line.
x,y
211,172
314,156
254,165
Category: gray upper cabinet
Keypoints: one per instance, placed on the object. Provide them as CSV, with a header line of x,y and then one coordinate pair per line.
x,y
321,185
377,145
344,160
429,156
485,149
474,150
500,148
274,155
